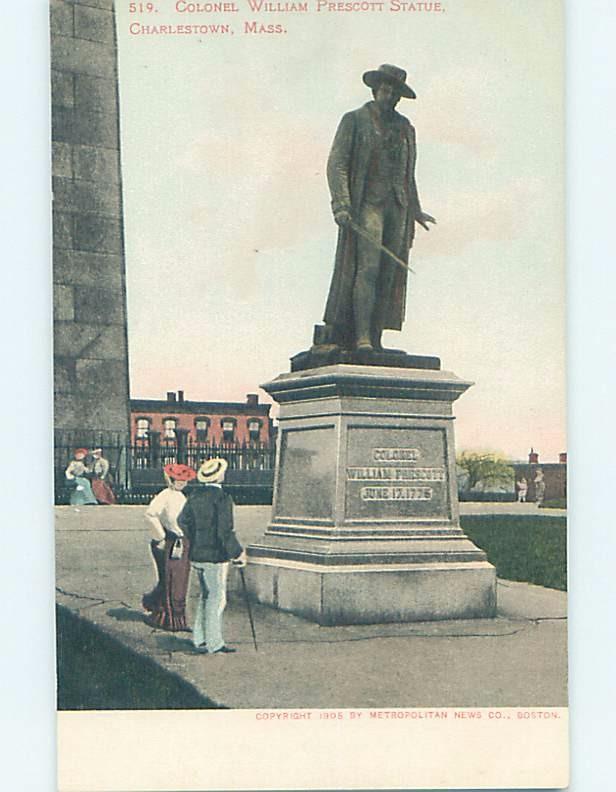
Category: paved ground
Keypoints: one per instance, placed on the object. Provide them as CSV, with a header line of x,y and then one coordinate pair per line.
x,y
517,659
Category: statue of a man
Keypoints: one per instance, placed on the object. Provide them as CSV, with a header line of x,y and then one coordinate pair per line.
x,y
371,176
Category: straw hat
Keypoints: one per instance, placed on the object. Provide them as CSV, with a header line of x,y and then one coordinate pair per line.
x,y
212,470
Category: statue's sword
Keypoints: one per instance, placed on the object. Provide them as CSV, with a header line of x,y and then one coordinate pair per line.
x,y
359,230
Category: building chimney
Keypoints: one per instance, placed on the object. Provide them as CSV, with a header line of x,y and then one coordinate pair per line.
x,y
533,457
170,396
180,396
252,399
562,458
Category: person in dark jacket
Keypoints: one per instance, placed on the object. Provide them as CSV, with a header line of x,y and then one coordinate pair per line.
x,y
207,521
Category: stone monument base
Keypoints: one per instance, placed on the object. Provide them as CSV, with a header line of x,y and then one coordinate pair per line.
x,y
365,525
375,593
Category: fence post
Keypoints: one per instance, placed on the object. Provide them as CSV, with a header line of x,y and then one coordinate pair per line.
x,y
121,460
181,436
154,438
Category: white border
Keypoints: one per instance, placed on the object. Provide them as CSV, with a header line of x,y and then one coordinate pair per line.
x,y
591,172
27,614
26,660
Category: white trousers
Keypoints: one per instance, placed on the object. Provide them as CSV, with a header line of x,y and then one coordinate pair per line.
x,y
211,604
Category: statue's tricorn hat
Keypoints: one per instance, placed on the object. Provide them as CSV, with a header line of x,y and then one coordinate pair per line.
x,y
391,74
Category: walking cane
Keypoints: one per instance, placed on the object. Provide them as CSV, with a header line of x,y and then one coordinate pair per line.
x,y
248,608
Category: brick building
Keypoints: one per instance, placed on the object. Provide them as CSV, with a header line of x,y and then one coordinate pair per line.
x,y
200,421
555,475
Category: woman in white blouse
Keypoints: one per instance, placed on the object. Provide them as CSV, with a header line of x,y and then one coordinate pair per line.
x,y
166,603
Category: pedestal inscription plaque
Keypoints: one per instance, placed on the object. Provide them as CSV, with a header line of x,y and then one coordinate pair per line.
x,y
365,524
407,480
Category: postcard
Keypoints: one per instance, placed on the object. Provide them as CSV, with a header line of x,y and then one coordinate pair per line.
x,y
310,443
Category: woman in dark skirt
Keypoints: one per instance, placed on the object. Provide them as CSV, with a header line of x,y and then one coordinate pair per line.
x,y
100,478
166,603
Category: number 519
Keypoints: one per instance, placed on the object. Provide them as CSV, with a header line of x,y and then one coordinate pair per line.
x,y
140,8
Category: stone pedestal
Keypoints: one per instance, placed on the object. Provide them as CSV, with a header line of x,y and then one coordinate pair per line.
x,y
365,524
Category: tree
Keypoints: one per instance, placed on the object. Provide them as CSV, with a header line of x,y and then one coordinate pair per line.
x,y
483,469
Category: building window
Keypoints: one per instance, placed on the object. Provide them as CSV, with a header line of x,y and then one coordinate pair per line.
x,y
254,428
202,426
143,428
169,427
228,430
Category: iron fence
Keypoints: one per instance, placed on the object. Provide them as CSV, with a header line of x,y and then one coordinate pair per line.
x,y
136,466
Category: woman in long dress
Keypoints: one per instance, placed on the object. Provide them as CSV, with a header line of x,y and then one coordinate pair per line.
x,y
166,603
76,475
100,483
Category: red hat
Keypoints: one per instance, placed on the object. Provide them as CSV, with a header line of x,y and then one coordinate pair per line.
x,y
81,452
179,472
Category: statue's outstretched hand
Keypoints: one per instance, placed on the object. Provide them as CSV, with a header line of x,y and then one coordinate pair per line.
x,y
423,219
342,217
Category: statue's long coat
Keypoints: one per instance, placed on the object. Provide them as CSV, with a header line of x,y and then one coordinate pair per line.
x,y
347,171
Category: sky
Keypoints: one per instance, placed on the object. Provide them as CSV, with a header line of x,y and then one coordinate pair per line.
x,y
229,235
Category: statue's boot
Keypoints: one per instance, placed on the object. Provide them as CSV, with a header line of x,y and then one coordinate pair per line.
x,y
363,305
363,344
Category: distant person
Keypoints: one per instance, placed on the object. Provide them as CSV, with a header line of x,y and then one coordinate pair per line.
x,y
207,520
539,482
522,486
100,478
76,475
169,547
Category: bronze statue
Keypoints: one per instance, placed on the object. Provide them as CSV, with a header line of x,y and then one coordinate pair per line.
x,y
371,176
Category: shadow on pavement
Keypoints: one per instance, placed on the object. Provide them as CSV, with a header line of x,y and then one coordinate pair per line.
x,y
126,614
95,671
